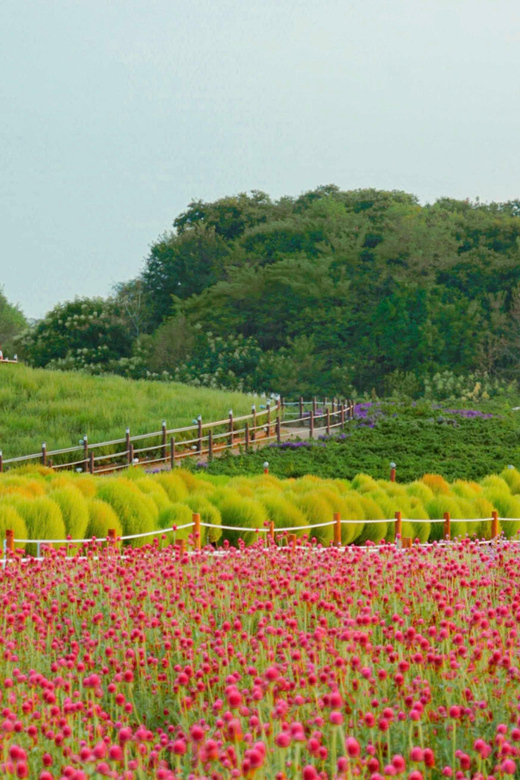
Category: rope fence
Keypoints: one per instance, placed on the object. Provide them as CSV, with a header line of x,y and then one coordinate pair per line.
x,y
292,531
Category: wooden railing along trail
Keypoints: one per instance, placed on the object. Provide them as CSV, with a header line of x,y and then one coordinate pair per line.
x,y
203,440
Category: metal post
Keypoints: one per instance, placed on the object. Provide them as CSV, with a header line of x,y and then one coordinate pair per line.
x,y
172,452
128,456
85,452
164,449
199,433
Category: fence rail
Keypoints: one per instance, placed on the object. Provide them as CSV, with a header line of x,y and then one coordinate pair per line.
x,y
270,531
276,421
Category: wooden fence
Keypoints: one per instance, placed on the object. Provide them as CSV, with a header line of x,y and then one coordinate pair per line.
x,y
279,420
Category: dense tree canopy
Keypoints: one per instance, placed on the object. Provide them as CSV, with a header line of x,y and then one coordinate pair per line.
x,y
329,291
12,323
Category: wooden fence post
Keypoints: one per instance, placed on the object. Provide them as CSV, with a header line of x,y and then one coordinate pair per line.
x,y
342,414
85,452
182,547
314,405
111,537
199,433
231,427
172,452
196,530
210,444
301,408
128,445
268,419
1,462
311,424
447,526
247,436
9,540
494,524
253,431
131,454
327,420
291,538
392,472
271,532
91,462
44,454
337,529
278,430
398,536
164,449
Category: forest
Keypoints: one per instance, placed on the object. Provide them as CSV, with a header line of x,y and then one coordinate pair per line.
x,y
332,292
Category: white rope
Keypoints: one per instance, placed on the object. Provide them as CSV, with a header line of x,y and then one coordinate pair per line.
x,y
161,531
158,532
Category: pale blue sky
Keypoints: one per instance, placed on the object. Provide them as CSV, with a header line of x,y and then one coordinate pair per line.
x,y
115,114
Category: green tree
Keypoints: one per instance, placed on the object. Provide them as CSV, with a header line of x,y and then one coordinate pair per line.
x,y
12,323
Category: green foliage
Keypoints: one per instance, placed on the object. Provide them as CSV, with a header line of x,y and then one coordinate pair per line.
x,y
137,512
242,512
12,323
209,513
74,510
177,515
11,520
42,516
102,519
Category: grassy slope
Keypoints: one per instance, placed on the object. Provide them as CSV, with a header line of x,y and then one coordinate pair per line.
x,y
59,407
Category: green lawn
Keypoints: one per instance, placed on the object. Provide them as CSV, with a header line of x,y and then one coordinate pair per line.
x,y
59,407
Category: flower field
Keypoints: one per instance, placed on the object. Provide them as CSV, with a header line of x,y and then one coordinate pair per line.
x,y
262,663
44,504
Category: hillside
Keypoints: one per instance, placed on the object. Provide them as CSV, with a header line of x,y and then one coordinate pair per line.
x,y
59,407
324,294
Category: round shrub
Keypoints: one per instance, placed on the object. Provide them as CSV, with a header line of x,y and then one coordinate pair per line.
x,y
482,508
155,491
243,512
242,486
191,482
209,513
11,520
436,508
466,490
373,532
316,509
74,510
283,512
102,519
25,486
436,483
137,513
416,525
352,510
175,515
174,486
512,477
364,483
419,490
511,528
43,519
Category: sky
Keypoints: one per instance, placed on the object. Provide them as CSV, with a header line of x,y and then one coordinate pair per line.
x,y
117,113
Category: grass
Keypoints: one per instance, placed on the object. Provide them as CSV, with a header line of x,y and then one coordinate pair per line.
x,y
59,407
418,439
